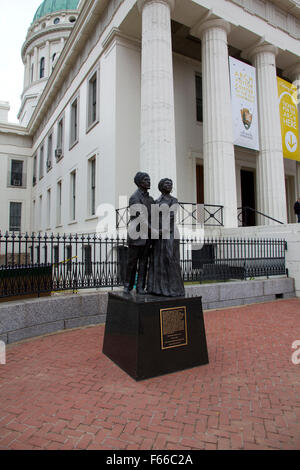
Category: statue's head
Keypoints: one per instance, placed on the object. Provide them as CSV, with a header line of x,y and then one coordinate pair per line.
x,y
142,180
165,185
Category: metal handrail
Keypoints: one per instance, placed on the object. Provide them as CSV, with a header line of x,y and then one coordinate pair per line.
x,y
216,214
242,209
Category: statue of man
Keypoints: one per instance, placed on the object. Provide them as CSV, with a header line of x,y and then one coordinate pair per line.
x,y
139,234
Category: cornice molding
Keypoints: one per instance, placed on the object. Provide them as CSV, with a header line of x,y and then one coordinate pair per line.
x,y
117,34
10,128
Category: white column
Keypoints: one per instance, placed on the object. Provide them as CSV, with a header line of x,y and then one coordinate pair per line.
x,y
157,147
36,65
271,196
27,72
47,60
218,148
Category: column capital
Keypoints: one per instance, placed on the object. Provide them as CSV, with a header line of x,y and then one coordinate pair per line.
x,y
141,3
206,24
261,48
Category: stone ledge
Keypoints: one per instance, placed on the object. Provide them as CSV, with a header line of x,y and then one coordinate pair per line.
x,y
34,317
90,320
236,293
38,330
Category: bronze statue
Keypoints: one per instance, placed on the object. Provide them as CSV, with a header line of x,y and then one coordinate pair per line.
x,y
152,240
164,276
139,247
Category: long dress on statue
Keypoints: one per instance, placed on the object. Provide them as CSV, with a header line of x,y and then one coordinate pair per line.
x,y
164,275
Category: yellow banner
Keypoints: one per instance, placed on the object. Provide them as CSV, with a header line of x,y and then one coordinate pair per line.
x,y
289,119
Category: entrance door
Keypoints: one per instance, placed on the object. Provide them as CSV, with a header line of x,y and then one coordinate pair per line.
x,y
248,197
200,184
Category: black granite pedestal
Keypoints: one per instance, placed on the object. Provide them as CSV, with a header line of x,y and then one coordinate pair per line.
x,y
147,336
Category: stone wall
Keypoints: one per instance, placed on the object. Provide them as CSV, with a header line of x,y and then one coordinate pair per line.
x,y
24,319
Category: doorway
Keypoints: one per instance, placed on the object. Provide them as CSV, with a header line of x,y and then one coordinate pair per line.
x,y
248,197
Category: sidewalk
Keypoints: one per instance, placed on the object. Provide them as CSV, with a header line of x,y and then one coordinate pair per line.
x,y
60,392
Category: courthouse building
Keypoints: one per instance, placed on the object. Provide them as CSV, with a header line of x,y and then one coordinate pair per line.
x,y
116,86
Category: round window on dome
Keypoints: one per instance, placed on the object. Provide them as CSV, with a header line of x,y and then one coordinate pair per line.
x,y
72,19
56,20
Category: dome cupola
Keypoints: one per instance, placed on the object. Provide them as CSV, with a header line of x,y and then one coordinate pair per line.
x,y
50,28
52,6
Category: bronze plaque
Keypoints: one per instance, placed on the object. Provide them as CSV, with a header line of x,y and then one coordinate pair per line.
x,y
173,327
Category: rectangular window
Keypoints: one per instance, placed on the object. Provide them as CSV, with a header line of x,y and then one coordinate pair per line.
x,y
16,176
60,139
41,162
58,200
74,122
42,67
15,211
92,100
49,153
48,208
92,186
73,195
199,99
34,170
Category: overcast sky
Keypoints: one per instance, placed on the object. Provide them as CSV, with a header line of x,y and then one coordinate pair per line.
x,y
15,19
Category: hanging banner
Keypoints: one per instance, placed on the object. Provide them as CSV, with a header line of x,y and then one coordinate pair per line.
x,y
287,93
244,104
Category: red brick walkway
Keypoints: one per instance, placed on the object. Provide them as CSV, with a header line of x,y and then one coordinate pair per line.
x,y
60,392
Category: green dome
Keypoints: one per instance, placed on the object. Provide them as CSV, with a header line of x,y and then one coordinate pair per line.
x,y
50,6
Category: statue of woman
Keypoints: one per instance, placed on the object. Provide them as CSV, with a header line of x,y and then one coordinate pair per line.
x,y
164,275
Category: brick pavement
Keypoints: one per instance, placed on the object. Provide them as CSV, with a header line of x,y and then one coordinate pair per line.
x,y
60,392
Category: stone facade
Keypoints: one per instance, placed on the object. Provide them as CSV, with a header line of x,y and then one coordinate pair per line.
x,y
146,55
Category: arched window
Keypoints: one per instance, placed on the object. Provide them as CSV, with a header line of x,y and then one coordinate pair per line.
x,y
42,67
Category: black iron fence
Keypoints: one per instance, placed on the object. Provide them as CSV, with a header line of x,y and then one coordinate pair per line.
x,y
223,259
39,263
